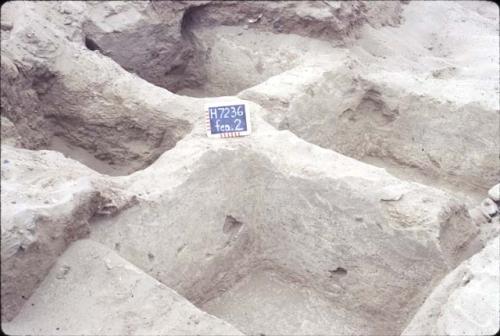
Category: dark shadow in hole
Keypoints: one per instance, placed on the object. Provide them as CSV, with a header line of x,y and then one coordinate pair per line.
x,y
339,271
189,19
231,225
91,45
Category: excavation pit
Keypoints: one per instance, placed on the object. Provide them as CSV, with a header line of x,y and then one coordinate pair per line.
x,y
211,61
277,237
285,231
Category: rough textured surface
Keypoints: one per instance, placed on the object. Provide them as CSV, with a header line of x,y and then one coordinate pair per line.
x,y
46,202
466,301
159,41
108,296
10,136
146,38
296,309
422,108
278,232
50,104
310,199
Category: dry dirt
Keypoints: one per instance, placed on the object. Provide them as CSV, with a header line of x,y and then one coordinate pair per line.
x,y
364,202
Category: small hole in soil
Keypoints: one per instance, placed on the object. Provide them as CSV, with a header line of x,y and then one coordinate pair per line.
x,y
339,271
231,225
91,45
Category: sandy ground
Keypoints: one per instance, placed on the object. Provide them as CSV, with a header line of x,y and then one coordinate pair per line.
x,y
295,309
360,204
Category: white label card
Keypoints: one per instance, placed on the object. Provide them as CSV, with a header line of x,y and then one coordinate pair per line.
x,y
227,119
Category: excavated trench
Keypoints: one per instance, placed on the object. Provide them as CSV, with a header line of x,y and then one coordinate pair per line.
x,y
220,61
244,260
368,124
258,291
229,60
210,61
269,262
